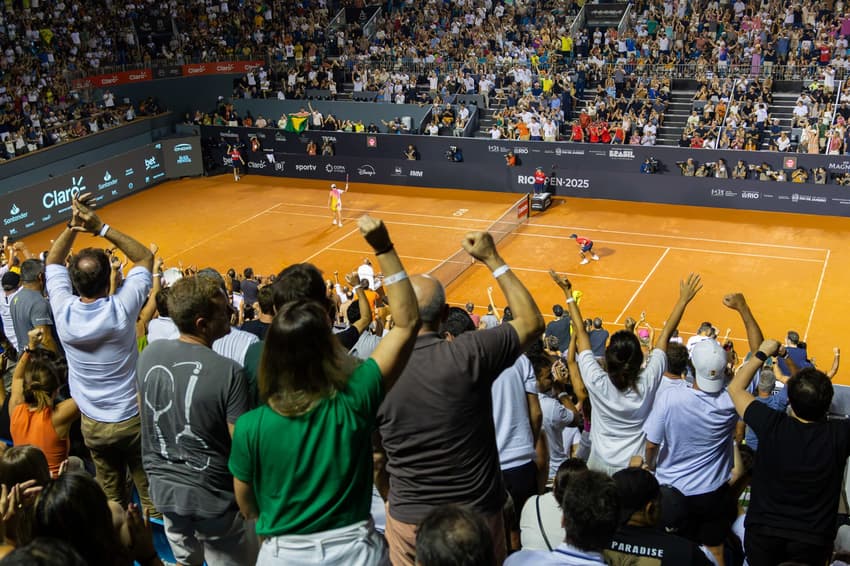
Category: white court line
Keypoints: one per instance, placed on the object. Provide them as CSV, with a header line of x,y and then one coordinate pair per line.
x,y
579,228
228,229
441,216
513,267
638,290
817,296
520,233
329,246
703,250
661,236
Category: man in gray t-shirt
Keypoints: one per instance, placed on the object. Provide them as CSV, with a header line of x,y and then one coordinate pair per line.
x,y
190,400
29,308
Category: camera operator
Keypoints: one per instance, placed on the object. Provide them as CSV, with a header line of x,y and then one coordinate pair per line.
x,y
454,154
510,159
648,167
706,169
799,175
820,175
842,179
688,167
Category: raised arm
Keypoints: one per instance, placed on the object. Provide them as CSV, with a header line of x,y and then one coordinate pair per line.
x,y
688,289
527,321
365,308
738,389
84,219
836,360
579,331
575,373
147,312
737,302
492,303
395,348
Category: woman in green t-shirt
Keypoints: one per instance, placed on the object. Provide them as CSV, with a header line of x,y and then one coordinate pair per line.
x,y
302,461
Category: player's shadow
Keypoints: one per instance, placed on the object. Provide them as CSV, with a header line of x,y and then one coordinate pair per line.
x,y
604,252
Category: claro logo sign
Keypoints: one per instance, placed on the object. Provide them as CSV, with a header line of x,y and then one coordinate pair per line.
x,y
63,196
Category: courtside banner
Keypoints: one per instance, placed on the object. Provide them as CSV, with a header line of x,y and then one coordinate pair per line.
x,y
113,79
572,169
220,68
36,207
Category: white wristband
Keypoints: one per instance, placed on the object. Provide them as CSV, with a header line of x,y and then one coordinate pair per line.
x,y
499,271
103,230
395,277
570,300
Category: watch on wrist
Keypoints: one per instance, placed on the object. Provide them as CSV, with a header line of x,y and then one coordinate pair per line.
x,y
761,356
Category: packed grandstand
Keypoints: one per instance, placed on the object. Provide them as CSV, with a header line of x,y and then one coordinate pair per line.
x,y
304,418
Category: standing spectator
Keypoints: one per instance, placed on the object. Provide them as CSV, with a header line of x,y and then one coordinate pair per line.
x,y
695,425
190,400
518,419
249,286
34,415
30,309
765,394
98,332
11,283
798,473
560,327
598,338
234,344
265,309
440,438
796,351
312,391
621,395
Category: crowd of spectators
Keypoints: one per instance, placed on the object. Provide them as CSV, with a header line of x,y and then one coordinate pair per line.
x,y
521,52
495,435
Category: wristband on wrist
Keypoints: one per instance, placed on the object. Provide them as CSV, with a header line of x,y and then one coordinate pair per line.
x,y
501,270
387,249
761,356
395,277
103,230
158,274
570,300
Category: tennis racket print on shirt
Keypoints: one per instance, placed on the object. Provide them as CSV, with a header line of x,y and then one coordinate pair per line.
x,y
190,446
186,446
163,382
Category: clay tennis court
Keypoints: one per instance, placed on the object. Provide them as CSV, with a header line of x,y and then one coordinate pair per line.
x,y
792,268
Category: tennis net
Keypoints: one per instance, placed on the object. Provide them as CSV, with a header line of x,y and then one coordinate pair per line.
x,y
456,264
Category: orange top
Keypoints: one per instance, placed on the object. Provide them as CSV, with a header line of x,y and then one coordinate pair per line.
x,y
36,428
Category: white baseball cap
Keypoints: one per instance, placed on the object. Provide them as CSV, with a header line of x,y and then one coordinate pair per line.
x,y
333,185
709,360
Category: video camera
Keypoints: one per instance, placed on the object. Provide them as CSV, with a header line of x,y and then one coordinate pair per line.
x,y
650,166
454,154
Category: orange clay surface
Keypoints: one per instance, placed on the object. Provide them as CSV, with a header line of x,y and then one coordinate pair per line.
x,y
790,267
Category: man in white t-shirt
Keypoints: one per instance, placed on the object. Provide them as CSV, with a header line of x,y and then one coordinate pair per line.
x,y
98,332
367,273
622,395
695,426
706,331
